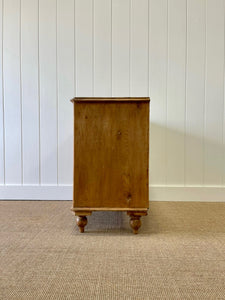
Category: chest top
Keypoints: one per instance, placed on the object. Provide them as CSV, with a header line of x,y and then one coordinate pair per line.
x,y
110,99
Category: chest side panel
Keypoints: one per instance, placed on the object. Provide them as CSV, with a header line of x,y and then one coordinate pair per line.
x,y
111,154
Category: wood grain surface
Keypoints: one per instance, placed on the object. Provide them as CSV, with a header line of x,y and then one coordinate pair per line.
x,y
111,154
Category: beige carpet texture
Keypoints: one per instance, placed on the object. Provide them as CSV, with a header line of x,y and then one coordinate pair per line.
x,y
179,252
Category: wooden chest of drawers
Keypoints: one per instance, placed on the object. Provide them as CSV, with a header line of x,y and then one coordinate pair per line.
x,y
111,157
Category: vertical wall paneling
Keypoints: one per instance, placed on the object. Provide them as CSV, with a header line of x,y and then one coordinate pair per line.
x,y
214,86
102,47
29,90
48,91
84,47
12,97
195,92
120,47
65,75
176,91
139,48
158,89
2,138
170,50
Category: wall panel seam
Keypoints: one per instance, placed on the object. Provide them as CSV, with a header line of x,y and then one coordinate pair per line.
x,y
111,51
75,55
148,92
166,92
130,32
57,96
204,103
21,100
93,48
3,102
185,97
39,100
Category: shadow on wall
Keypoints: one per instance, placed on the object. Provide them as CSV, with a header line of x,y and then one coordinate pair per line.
x,y
179,158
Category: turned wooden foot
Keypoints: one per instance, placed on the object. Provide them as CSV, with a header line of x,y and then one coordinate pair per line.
x,y
81,223
81,218
135,223
135,220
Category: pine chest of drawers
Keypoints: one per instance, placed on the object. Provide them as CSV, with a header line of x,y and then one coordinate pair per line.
x,y
111,157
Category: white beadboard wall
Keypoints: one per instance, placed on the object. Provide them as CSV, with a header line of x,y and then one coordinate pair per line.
x,y
170,50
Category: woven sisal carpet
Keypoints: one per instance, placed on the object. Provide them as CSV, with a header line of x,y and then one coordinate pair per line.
x,y
178,254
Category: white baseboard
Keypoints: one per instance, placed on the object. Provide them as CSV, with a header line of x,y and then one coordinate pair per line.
x,y
187,193
36,192
156,193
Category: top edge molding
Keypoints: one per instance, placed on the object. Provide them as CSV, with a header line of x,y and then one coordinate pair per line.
x,y
110,99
